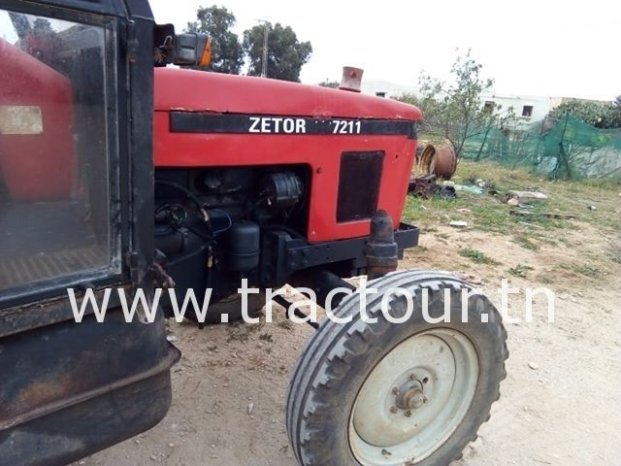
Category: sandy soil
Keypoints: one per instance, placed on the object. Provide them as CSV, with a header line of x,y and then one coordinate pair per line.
x,y
560,403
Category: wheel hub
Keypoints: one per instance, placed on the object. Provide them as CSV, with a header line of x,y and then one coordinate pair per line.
x,y
414,398
411,396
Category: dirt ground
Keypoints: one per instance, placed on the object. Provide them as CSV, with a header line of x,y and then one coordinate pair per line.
x,y
560,403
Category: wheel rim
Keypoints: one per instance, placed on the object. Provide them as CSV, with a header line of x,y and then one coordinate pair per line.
x,y
414,399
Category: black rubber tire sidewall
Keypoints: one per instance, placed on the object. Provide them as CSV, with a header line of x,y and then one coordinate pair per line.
x,y
324,405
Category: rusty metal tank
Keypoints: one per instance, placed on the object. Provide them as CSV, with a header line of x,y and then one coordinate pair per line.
x,y
438,159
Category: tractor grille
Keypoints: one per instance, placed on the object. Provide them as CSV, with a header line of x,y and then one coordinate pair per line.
x,y
359,185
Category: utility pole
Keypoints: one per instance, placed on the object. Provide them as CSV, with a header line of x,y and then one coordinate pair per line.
x,y
265,47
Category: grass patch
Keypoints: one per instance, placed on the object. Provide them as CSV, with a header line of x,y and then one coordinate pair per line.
x,y
582,269
588,270
526,242
569,203
477,256
520,270
545,279
565,197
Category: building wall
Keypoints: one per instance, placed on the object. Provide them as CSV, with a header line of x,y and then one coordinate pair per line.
x,y
390,90
528,109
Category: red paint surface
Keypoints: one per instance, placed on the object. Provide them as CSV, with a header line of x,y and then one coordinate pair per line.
x,y
211,92
37,167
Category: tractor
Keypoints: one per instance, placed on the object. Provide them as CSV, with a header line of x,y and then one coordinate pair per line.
x,y
118,172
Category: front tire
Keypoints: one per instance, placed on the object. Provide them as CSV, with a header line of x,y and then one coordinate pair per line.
x,y
392,394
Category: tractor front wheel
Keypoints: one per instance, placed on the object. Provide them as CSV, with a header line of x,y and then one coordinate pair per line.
x,y
384,393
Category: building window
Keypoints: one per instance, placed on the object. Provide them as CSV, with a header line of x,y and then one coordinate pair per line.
x,y
489,106
527,111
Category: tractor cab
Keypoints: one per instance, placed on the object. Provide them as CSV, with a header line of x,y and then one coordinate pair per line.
x,y
76,218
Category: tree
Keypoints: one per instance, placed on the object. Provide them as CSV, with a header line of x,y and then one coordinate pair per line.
x,y
286,54
226,50
454,110
327,83
598,114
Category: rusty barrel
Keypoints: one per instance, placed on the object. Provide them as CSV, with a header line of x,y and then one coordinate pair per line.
x,y
439,159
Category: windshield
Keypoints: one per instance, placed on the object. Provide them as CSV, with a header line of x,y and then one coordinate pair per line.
x,y
54,153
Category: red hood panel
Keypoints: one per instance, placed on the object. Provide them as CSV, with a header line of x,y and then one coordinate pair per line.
x,y
199,91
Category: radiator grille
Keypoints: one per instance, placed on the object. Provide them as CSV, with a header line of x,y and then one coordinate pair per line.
x,y
359,185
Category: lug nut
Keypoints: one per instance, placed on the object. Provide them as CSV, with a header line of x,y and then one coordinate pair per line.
x,y
408,413
393,409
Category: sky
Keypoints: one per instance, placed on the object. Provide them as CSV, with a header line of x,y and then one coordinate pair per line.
x,y
529,47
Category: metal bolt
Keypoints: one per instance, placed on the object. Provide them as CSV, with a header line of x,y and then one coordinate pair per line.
x,y
395,391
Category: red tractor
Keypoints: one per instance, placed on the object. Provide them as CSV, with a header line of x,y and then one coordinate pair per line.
x,y
116,175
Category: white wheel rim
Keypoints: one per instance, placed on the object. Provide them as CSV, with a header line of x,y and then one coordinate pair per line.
x,y
414,399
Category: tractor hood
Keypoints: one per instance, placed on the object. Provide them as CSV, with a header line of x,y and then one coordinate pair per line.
x,y
199,91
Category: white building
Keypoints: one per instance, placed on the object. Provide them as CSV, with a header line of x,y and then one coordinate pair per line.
x,y
529,110
386,88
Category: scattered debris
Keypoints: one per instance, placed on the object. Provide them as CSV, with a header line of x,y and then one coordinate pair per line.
x,y
426,186
528,213
533,365
250,408
514,202
447,192
470,189
487,186
592,207
171,338
458,224
524,197
423,186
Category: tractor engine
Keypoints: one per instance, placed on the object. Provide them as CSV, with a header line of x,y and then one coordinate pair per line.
x,y
272,181
209,221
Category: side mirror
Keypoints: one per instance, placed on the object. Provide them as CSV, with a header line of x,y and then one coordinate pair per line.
x,y
189,49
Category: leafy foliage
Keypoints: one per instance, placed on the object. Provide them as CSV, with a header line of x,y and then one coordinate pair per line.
x,y
328,83
600,115
454,110
286,54
226,50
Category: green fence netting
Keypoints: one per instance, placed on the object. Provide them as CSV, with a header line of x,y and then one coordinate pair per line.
x,y
567,148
